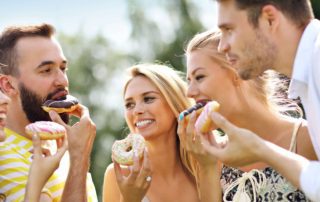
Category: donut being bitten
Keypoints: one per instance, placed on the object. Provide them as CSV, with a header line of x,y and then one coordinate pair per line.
x,y
122,150
68,104
46,130
186,113
204,122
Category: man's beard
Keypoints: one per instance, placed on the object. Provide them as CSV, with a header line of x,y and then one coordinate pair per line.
x,y
260,56
31,104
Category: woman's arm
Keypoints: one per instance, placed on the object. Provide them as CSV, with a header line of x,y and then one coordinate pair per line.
x,y
41,169
110,190
209,183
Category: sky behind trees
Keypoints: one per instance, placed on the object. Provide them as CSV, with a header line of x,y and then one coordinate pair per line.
x,y
108,17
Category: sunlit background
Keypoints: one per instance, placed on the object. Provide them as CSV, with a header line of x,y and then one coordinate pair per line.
x,y
101,38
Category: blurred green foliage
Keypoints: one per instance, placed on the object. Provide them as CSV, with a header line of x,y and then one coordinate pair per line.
x,y
316,8
96,66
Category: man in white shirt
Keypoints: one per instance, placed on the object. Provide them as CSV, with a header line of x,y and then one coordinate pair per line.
x,y
284,36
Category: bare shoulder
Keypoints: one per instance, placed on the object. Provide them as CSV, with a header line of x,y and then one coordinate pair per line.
x,y
109,170
111,191
304,144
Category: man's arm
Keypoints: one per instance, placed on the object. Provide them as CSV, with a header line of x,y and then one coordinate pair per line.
x,y
310,180
80,140
244,147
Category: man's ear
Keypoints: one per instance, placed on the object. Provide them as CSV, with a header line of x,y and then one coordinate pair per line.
x,y
271,15
7,85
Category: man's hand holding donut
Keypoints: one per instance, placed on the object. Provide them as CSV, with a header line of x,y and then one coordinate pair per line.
x,y
243,146
80,136
135,185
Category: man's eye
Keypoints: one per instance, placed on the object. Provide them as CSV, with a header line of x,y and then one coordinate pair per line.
x,y
226,30
64,69
46,70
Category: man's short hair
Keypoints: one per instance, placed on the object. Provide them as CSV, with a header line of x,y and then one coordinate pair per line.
x,y
8,40
298,11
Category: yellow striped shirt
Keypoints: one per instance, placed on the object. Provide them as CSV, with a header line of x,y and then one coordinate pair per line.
x,y
15,161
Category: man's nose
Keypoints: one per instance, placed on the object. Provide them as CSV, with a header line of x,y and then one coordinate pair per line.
x,y
61,79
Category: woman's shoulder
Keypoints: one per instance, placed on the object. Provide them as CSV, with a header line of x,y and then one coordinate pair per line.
x,y
304,144
111,191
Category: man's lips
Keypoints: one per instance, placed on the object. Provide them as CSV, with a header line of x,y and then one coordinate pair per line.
x,y
232,59
233,62
59,95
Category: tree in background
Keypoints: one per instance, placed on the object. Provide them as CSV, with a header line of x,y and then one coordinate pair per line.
x,y
316,8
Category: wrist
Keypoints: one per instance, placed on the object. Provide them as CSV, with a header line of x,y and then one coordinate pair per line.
x,y
80,163
260,149
79,157
130,200
32,194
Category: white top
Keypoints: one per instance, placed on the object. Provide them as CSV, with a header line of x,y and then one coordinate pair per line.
x,y
305,84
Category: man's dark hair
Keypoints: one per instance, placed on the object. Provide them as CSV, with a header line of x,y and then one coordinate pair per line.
x,y
8,40
298,11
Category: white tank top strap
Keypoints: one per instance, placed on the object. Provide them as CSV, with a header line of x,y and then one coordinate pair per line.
x,y
293,144
145,199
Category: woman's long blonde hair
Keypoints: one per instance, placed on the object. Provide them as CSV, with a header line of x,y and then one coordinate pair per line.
x,y
173,88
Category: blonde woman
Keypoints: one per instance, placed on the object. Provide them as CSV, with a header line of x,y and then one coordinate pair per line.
x,y
154,95
247,104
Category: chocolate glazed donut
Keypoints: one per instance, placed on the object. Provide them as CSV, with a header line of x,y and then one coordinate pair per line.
x,y
61,106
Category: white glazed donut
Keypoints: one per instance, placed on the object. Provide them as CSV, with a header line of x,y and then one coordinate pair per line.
x,y
46,130
122,150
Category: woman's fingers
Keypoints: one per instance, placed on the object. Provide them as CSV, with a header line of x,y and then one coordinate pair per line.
x,y
146,174
37,150
118,172
182,132
190,131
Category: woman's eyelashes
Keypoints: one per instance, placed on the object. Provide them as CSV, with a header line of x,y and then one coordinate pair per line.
x,y
149,99
146,99
199,77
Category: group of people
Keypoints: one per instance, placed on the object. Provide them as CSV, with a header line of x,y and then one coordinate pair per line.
x,y
268,151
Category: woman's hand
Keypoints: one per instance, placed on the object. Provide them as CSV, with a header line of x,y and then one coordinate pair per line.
x,y
42,167
134,186
192,141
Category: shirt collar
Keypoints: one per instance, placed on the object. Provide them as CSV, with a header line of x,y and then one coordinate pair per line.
x,y
302,62
304,53
14,138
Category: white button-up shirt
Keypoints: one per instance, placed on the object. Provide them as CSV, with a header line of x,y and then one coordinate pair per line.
x,y
305,84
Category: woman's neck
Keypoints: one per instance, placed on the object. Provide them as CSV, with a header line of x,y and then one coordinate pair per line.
x,y
265,123
164,156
